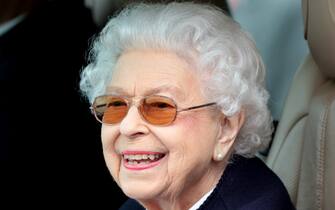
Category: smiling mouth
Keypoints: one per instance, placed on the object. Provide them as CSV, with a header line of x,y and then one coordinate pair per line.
x,y
141,160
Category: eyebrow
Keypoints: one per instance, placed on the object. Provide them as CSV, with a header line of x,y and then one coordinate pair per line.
x,y
174,90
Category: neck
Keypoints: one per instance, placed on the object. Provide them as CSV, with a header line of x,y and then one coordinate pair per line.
x,y
190,194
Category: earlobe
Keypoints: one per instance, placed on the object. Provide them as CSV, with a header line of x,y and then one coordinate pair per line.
x,y
219,157
228,130
222,148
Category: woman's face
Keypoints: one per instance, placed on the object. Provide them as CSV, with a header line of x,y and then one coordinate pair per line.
x,y
184,150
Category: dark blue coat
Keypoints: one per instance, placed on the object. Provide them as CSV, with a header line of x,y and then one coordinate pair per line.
x,y
247,184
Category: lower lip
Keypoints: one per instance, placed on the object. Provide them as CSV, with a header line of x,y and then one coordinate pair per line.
x,y
139,167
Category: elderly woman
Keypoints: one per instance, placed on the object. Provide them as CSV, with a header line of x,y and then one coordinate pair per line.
x,y
179,91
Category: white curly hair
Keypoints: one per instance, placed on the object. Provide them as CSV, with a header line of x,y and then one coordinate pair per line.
x,y
206,38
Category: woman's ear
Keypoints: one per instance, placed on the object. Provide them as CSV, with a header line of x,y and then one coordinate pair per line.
x,y
228,130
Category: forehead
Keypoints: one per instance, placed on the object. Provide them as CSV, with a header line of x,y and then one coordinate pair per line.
x,y
140,71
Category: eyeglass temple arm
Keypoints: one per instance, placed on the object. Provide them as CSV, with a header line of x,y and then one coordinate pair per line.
x,y
197,107
92,108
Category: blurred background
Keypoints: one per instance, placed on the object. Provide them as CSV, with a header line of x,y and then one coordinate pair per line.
x,y
277,27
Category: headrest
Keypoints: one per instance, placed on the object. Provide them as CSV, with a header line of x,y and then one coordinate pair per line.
x,y
319,19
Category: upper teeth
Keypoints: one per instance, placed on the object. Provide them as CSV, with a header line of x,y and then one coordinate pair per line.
x,y
141,157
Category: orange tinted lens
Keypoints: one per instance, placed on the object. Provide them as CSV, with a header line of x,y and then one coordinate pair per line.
x,y
158,110
110,110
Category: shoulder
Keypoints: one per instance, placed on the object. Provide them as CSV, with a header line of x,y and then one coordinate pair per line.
x,y
248,183
131,204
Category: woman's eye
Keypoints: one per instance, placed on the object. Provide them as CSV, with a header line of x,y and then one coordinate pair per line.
x,y
117,103
160,105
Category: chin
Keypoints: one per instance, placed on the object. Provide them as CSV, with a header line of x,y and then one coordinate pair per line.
x,y
138,193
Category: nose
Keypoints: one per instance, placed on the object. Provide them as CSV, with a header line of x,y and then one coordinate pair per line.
x,y
133,125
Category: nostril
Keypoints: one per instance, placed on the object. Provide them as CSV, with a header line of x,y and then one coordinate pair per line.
x,y
137,134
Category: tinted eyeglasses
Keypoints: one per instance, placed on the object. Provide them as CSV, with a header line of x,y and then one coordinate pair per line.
x,y
156,110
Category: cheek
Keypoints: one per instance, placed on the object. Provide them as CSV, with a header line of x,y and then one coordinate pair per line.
x,y
198,135
190,146
192,139
187,122
109,134
197,124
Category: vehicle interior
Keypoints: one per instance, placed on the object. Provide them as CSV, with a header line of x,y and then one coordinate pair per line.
x,y
302,152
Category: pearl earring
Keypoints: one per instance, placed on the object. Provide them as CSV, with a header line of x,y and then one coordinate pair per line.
x,y
219,157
